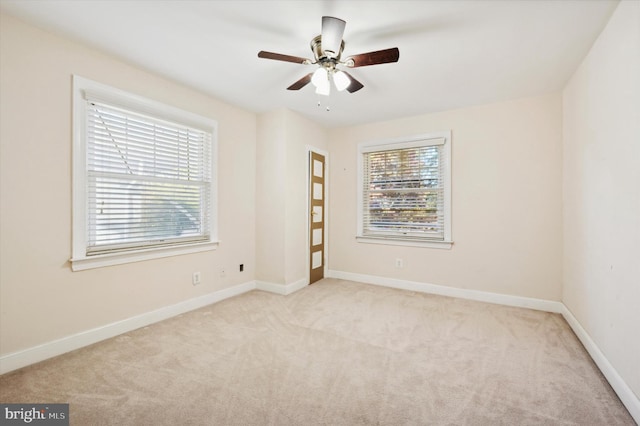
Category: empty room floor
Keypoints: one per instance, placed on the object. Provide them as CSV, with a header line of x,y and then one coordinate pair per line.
x,y
334,353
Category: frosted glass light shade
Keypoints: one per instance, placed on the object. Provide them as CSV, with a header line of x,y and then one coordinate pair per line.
x,y
320,77
341,80
324,89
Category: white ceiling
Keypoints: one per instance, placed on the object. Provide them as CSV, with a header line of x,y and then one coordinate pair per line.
x,y
452,53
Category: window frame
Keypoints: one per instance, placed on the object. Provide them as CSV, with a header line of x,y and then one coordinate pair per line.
x,y
420,140
82,88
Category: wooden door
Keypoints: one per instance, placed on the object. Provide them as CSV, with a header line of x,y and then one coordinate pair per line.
x,y
317,220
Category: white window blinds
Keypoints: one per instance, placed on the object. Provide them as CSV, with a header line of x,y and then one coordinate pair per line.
x,y
148,181
403,191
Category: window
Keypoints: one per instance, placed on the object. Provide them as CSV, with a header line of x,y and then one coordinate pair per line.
x,y
404,192
144,183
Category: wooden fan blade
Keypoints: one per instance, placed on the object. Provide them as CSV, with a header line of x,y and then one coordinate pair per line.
x,y
374,58
332,32
301,83
355,84
281,57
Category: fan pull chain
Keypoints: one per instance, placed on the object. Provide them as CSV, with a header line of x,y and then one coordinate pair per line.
x,y
327,108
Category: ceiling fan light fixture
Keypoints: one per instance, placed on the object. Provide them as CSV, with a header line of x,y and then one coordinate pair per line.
x,y
320,77
341,80
324,89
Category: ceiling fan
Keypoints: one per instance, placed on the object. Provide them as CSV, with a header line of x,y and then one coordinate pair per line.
x,y
327,51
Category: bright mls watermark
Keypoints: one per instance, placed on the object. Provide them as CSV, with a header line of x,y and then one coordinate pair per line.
x,y
34,414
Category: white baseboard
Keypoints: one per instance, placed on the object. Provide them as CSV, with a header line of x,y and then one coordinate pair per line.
x,y
29,356
461,293
626,395
16,360
624,392
282,289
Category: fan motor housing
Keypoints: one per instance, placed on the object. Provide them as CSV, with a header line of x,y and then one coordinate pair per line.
x,y
319,54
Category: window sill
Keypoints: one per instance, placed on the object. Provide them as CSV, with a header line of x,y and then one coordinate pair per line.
x,y
102,260
390,241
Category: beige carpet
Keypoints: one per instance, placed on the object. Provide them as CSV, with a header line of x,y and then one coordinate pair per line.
x,y
334,353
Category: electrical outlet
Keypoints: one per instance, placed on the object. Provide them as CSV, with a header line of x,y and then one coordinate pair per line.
x,y
241,267
195,278
399,263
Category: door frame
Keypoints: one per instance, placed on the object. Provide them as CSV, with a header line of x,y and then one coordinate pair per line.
x,y
309,149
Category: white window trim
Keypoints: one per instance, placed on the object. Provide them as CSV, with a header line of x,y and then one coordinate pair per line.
x,y
79,259
442,137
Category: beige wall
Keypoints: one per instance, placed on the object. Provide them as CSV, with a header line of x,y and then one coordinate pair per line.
x,y
506,200
301,134
40,298
281,207
270,198
602,193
